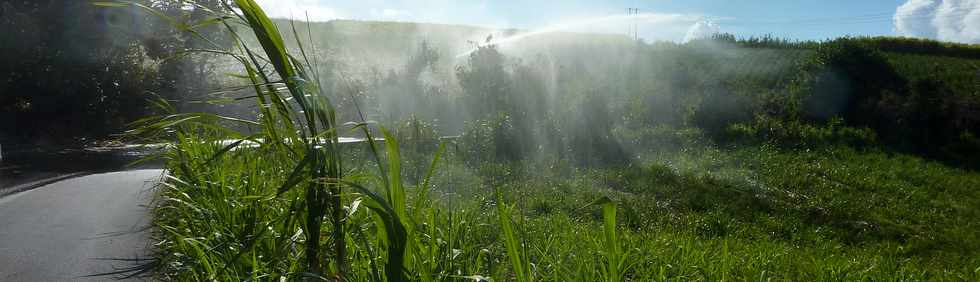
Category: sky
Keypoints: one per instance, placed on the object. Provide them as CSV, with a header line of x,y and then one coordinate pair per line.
x,y
949,20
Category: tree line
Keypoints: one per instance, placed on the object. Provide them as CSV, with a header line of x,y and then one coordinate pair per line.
x,y
71,71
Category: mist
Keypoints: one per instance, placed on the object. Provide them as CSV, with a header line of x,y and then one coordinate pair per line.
x,y
445,140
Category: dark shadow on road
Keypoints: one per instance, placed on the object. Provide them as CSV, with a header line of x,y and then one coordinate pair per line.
x,y
138,268
28,165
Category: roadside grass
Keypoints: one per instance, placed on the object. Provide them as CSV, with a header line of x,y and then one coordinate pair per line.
x,y
735,214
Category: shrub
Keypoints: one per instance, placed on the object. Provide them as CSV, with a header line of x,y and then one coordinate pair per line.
x,y
795,133
492,140
720,108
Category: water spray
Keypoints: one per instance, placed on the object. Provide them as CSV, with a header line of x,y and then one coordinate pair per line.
x,y
630,18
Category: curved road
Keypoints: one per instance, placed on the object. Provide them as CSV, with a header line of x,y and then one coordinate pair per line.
x,y
76,229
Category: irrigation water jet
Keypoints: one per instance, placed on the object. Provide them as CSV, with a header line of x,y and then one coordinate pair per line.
x,y
651,18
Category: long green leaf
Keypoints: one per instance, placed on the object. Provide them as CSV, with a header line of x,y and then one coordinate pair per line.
x,y
396,192
423,190
297,175
515,251
395,232
611,247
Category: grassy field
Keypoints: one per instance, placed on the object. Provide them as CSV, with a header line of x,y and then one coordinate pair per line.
x,y
752,213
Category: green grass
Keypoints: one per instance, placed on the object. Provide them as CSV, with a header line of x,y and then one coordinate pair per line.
x,y
743,214
752,213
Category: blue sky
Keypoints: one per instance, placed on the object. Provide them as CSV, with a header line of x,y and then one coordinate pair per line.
x,y
673,20
796,19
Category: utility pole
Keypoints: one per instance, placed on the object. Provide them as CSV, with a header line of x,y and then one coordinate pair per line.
x,y
631,26
629,16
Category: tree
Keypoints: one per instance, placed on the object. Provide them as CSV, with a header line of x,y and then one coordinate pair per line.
x,y
65,73
186,75
72,70
486,84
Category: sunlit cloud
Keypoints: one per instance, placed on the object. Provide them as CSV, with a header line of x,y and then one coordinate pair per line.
x,y
701,30
392,14
948,20
299,9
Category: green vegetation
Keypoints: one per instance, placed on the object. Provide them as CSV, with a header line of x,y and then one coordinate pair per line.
x,y
76,72
718,159
61,74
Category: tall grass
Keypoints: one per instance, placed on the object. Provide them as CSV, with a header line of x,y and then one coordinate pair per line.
x,y
300,133
241,209
612,251
515,247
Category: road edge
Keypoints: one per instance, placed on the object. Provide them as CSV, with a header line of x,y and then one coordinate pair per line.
x,y
40,183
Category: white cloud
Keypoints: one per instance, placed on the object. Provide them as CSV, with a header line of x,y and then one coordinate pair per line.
x,y
392,14
702,29
298,9
948,20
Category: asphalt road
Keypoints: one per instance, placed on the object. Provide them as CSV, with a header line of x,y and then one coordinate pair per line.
x,y
76,228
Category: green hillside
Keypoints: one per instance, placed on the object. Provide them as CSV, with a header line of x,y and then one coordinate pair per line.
x,y
896,87
915,96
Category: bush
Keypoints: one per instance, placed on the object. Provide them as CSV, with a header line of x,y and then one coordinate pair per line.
x,y
590,134
846,79
419,140
795,133
719,109
659,138
492,140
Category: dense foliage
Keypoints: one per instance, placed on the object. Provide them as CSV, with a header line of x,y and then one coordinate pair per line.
x,y
63,72
735,90
70,70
